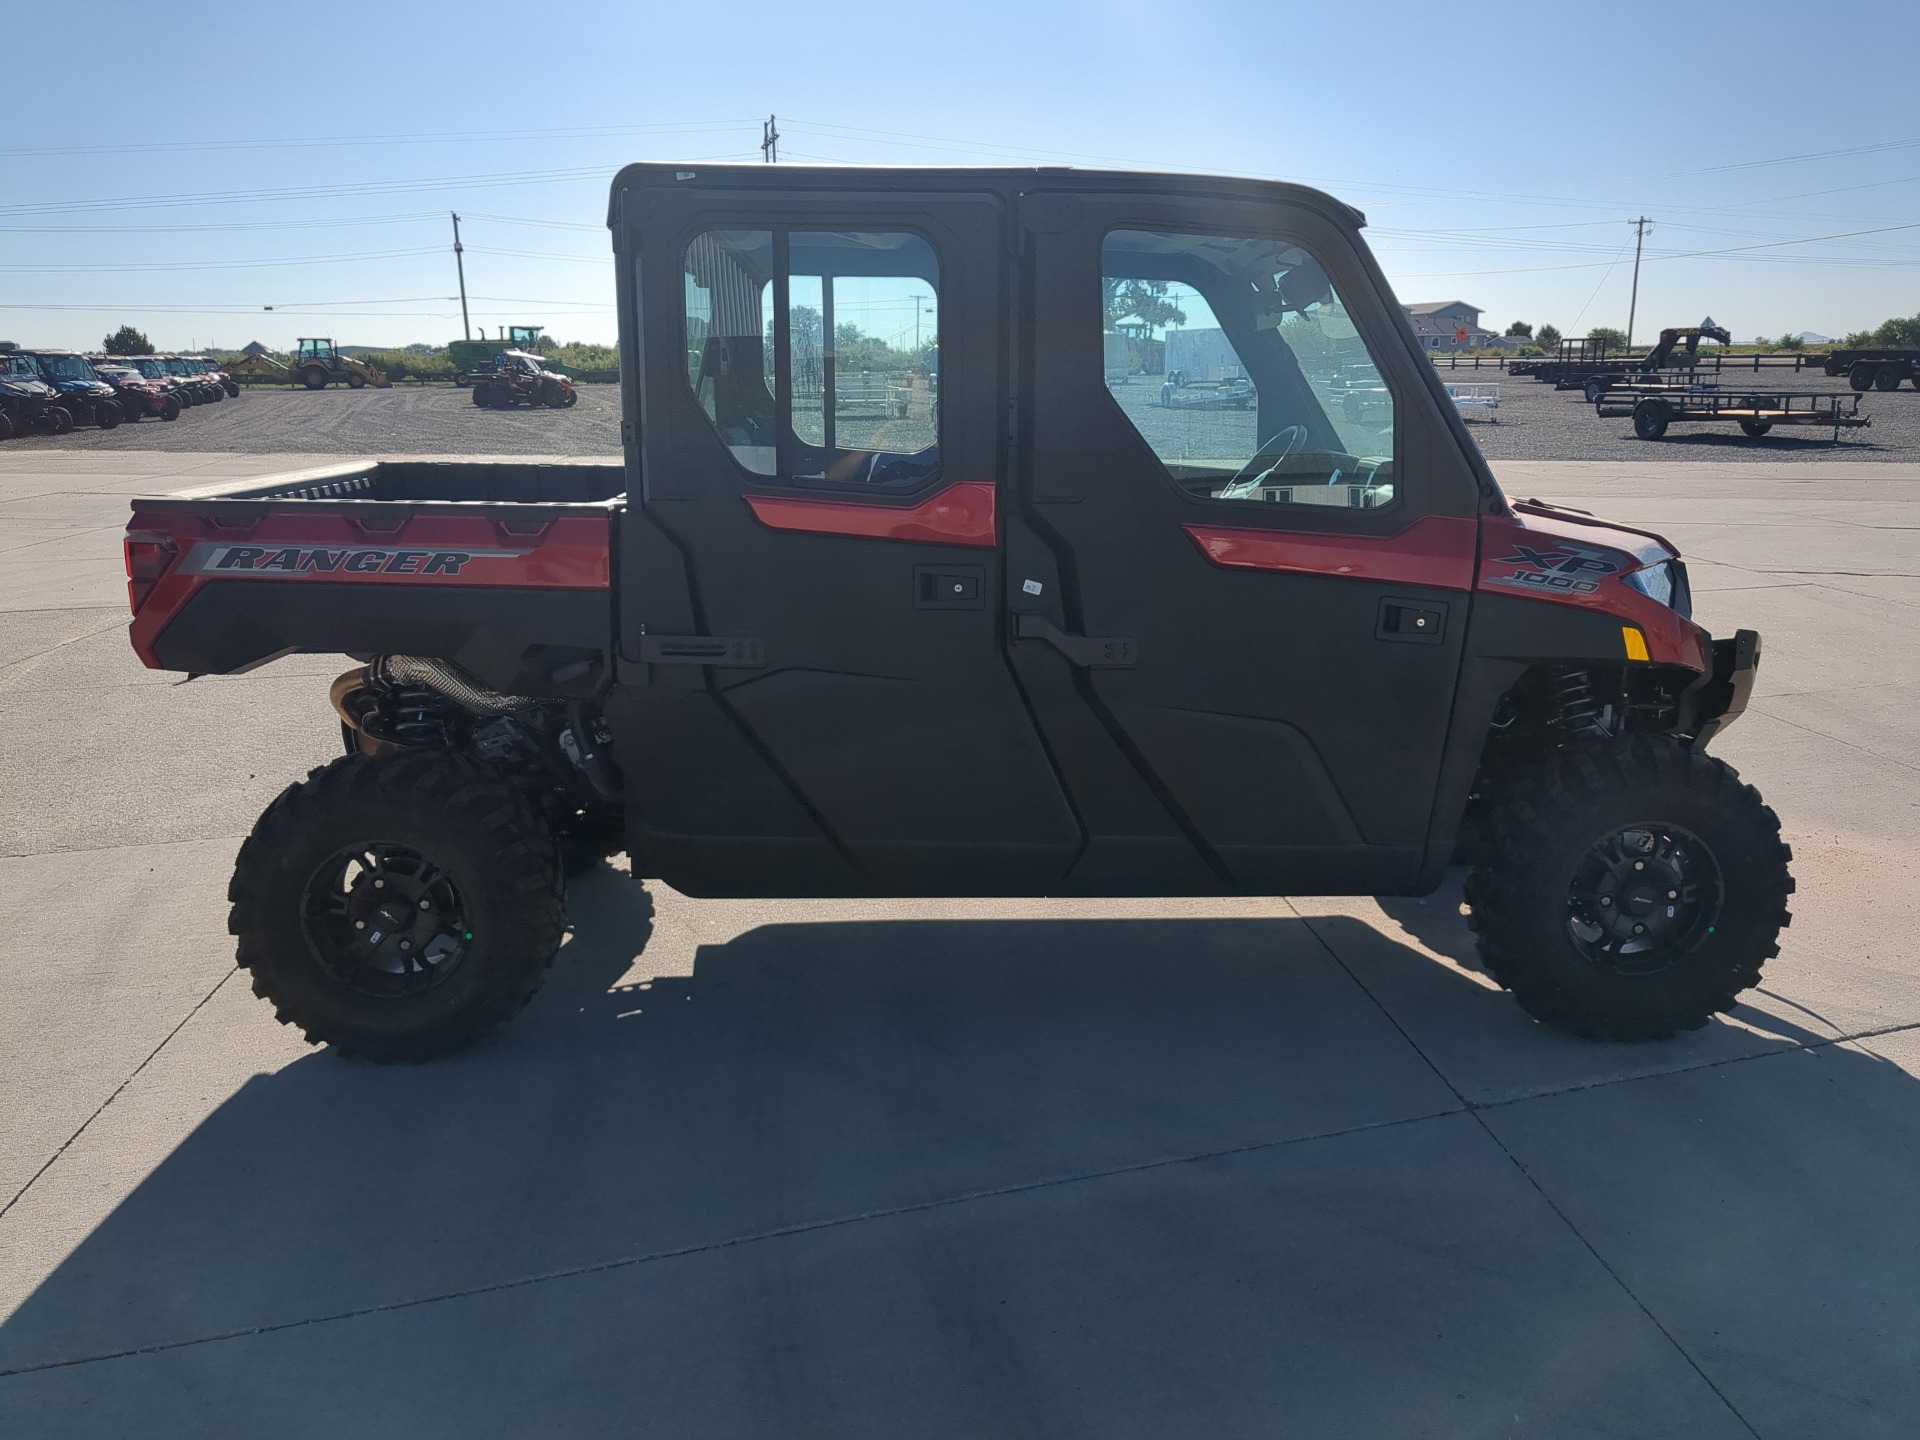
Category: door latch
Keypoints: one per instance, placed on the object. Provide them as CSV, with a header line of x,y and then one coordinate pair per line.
x,y
949,587
1090,652
1417,622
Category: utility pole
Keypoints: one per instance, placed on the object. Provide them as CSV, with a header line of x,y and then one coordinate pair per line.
x,y
769,141
466,330
1633,305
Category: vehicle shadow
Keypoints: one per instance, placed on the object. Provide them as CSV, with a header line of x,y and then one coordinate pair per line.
x,y
800,1075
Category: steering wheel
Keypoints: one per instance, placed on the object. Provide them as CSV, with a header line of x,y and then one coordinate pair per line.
x,y
1263,462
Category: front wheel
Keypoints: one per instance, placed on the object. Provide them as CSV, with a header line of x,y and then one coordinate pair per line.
x,y
1887,377
1595,389
170,408
356,382
59,420
1629,891
1862,376
399,906
106,414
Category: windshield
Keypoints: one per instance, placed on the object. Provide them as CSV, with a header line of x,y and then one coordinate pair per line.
x,y
152,369
65,367
19,367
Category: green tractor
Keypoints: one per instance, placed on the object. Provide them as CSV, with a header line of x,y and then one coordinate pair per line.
x,y
475,357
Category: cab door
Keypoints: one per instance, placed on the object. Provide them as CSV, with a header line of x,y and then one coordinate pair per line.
x,y
1241,565
811,575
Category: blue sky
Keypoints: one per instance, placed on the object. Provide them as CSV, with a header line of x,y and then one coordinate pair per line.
x,y
185,176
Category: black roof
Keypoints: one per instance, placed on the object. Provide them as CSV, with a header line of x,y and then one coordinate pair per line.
x,y
1010,181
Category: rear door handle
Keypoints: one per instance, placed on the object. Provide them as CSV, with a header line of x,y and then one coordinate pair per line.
x,y
1090,652
1416,622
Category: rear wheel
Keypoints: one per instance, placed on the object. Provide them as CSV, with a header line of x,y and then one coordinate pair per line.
x,y
1756,428
314,378
1650,419
397,907
481,397
1887,377
1629,891
1862,375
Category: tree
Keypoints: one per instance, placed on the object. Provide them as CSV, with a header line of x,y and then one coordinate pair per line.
x,y
1546,337
1520,330
6,345
128,341
1606,335
1144,300
1789,341
1900,332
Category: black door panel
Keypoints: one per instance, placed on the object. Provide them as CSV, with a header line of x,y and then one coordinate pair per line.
x,y
884,704
1289,742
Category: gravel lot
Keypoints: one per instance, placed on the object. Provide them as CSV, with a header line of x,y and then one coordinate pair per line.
x,y
413,420
1535,422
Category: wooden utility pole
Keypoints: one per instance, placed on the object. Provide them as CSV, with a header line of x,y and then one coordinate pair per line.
x,y
466,329
1633,305
769,141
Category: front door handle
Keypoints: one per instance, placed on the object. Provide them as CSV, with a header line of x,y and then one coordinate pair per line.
x,y
1090,652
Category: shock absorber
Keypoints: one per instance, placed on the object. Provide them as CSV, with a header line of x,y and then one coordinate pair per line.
x,y
1575,710
417,718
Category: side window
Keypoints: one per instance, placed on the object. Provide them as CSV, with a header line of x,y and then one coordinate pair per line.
x,y
729,306
854,316
1236,361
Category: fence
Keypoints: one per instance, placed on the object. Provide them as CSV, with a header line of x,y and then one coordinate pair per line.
x,y
1796,360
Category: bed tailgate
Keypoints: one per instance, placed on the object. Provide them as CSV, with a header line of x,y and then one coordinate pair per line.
x,y
517,594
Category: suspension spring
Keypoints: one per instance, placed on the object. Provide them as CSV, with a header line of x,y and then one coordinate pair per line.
x,y
1575,709
417,718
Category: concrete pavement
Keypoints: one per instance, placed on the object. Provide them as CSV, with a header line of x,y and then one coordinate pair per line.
x,y
954,1168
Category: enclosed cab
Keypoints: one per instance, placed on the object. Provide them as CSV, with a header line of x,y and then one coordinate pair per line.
x,y
1032,630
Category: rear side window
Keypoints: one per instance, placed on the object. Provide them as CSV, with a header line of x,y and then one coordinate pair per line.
x,y
1238,364
815,354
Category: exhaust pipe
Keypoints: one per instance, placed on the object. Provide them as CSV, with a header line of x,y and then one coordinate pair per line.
x,y
447,678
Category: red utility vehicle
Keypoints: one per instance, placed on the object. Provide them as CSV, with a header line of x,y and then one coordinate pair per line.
x,y
518,378
1046,636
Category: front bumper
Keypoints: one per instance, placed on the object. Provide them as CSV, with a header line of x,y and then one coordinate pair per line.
x,y
1719,697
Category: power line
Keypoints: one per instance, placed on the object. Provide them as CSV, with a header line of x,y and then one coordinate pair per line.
x,y
443,137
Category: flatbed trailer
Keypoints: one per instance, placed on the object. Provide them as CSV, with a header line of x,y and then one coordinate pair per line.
x,y
1755,414
1877,368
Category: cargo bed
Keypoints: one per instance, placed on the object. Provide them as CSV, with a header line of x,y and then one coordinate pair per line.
x,y
500,566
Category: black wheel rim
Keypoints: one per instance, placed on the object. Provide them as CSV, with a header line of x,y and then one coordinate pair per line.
x,y
385,921
1642,897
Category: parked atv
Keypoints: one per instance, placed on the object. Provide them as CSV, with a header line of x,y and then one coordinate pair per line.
x,y
155,369
81,393
518,378
211,371
1040,647
194,376
139,397
28,405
